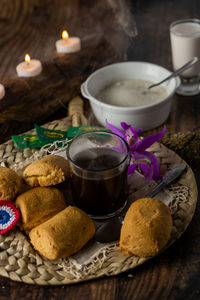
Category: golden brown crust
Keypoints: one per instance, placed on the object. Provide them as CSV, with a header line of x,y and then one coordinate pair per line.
x,y
10,184
147,228
48,171
38,205
64,234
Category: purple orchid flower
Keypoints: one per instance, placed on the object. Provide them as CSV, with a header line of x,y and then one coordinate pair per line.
x,y
141,159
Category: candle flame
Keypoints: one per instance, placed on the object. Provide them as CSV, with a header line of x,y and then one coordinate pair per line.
x,y
27,58
65,35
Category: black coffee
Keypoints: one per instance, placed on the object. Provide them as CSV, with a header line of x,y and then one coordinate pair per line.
x,y
102,195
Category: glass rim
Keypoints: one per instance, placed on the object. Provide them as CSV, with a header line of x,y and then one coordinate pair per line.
x,y
174,23
104,132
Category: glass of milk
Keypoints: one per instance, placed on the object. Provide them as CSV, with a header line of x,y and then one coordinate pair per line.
x,y
185,44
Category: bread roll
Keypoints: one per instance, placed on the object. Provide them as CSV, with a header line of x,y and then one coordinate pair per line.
x,y
146,229
64,234
38,205
10,184
48,171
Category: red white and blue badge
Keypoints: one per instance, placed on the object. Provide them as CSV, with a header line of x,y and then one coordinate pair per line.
x,y
9,215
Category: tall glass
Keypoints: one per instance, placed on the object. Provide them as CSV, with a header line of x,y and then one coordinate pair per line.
x,y
185,44
98,169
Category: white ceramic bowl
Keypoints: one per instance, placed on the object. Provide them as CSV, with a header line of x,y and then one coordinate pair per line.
x,y
145,117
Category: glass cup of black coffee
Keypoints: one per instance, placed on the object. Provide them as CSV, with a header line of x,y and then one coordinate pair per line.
x,y
98,170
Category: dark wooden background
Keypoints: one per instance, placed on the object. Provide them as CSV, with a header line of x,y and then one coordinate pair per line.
x,y
33,26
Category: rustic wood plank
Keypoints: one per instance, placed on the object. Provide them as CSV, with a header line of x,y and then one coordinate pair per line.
x,y
31,100
35,26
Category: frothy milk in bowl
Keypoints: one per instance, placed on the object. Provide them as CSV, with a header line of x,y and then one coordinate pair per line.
x,y
185,44
131,93
117,94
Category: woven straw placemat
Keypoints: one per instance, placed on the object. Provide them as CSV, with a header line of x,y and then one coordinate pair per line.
x,y
19,262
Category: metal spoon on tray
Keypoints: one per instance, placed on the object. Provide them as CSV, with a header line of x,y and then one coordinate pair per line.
x,y
110,230
173,74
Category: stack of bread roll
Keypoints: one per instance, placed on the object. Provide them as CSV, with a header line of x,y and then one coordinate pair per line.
x,y
56,230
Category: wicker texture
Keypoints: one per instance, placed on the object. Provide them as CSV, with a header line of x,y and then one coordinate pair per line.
x,y
10,154
19,262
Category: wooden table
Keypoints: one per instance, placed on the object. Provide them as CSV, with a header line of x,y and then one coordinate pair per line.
x,y
33,26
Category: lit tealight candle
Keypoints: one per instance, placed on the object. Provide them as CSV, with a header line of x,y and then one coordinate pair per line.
x,y
68,44
2,91
29,68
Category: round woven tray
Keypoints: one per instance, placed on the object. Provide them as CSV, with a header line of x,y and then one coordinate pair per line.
x,y
19,262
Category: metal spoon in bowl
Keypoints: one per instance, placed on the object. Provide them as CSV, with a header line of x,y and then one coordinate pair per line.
x,y
109,231
173,74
